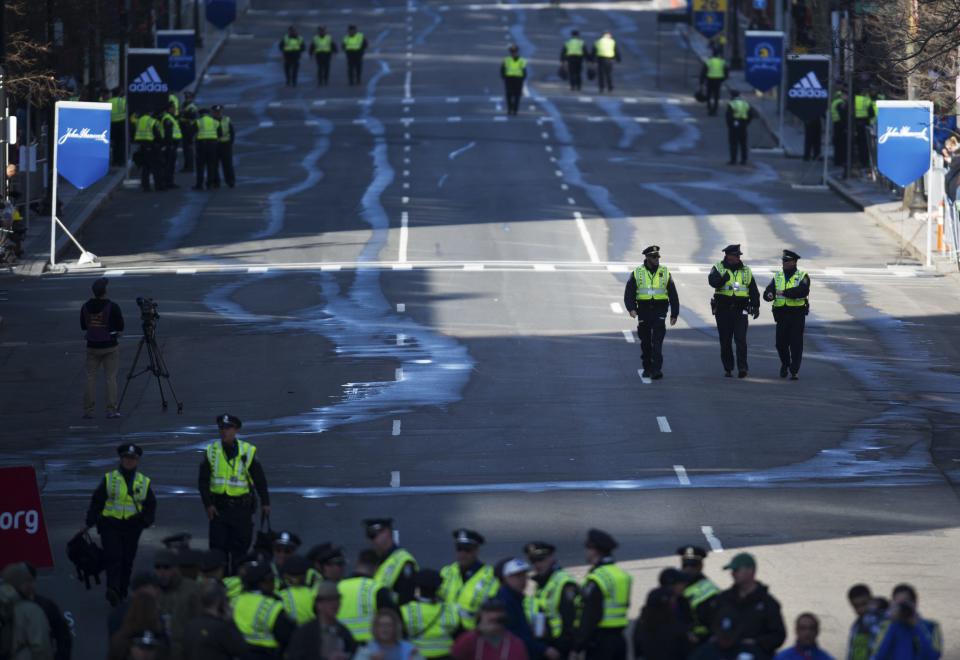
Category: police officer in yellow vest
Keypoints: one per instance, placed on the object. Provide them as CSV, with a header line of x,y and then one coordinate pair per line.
x,y
838,117
361,596
354,47
513,70
788,291
229,473
739,115
118,131
553,607
188,126
397,567
429,622
170,139
863,114
468,582
735,296
327,563
571,57
259,615
712,75
122,506
648,293
292,47
605,602
147,138
207,138
323,48
605,52
699,593
297,597
225,145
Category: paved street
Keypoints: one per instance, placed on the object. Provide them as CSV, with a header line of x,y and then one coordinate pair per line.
x,y
414,303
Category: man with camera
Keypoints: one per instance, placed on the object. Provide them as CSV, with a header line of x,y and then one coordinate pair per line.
x,y
905,635
102,322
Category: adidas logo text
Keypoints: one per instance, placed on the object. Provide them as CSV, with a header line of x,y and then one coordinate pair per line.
x,y
148,82
808,87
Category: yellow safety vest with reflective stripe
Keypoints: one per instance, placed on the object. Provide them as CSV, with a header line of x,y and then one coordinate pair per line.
x,y
605,47
651,286
121,504
292,44
354,42
835,109
548,599
118,109
175,100
514,67
234,586
780,282
231,478
145,129
175,126
389,570
716,68
207,128
739,283
741,109
614,583
225,129
468,596
861,106
322,44
358,604
298,603
574,47
430,627
255,615
696,594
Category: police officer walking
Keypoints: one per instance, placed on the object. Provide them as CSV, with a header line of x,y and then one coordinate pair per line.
x,y
712,75
354,46
291,45
170,138
699,593
513,70
735,297
788,291
208,135
605,51
429,622
468,582
554,604
122,506
225,141
229,473
605,601
323,48
146,137
571,56
739,114
647,294
397,567
188,126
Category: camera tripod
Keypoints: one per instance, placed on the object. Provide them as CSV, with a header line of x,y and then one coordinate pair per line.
x,y
155,366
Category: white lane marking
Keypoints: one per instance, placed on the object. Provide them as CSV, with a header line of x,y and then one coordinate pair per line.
x,y
548,148
544,267
266,123
595,120
395,479
406,136
406,85
456,152
571,200
682,475
396,427
404,236
454,120
406,186
406,173
401,338
833,272
330,267
14,344
311,122
642,120
405,200
453,99
545,135
406,121
618,269
403,266
320,102
398,374
629,336
558,173
473,267
553,159
406,147
499,118
257,269
401,308
359,122
712,539
585,99
274,104
664,425
564,186
643,379
585,237
616,308
186,271
114,273
630,99
689,269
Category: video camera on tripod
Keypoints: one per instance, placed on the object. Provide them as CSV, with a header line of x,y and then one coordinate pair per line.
x,y
149,318
149,314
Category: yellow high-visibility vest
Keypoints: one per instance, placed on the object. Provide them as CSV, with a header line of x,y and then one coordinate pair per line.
x,y
514,67
358,604
716,68
606,47
231,478
574,47
145,126
118,108
255,615
292,44
174,126
298,603
389,570
468,596
430,627
207,130
354,42
651,286
739,283
225,129
780,282
322,44
741,109
614,583
696,594
122,504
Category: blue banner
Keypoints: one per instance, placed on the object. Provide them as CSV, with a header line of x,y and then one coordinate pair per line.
x,y
83,141
904,139
221,12
764,59
708,23
183,61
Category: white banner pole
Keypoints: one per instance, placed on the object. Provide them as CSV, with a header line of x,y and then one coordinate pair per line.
x,y
53,207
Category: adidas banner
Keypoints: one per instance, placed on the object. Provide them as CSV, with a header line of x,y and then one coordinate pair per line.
x,y
904,146
82,150
808,86
764,60
148,79
183,67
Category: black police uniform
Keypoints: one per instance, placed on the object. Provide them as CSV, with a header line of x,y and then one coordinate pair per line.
x,y
598,643
737,133
567,608
791,321
169,153
405,585
323,62
731,313
225,149
651,317
189,114
702,616
120,537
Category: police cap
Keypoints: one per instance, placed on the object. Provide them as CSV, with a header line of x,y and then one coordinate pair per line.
x,y
217,108
128,449
257,572
176,541
165,558
212,560
146,640
227,419
734,93
286,539
652,251
464,536
374,525
537,550
325,552
790,255
671,576
429,579
600,540
733,248
691,554
190,558
295,565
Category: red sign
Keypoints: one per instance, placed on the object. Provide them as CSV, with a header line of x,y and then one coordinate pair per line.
x,y
23,530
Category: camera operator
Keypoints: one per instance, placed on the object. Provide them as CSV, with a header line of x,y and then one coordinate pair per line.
x,y
907,635
102,322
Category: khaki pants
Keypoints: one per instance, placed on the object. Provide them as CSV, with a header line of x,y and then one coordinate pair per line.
x,y
109,359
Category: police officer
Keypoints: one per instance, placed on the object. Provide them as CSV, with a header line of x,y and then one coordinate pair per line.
x,y
553,607
788,291
513,70
147,136
429,622
699,592
468,582
712,75
648,292
207,137
188,126
863,114
605,601
739,115
174,100
838,115
170,139
354,47
285,545
571,56
177,542
328,564
225,142
735,297
122,506
297,598
323,48
118,132
229,472
605,51
259,616
361,596
397,567
291,45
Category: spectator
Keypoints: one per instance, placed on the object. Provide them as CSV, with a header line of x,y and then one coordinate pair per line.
x,y
102,321
31,632
143,615
142,583
179,599
387,642
863,632
905,635
761,625
212,635
725,642
60,635
952,177
659,634
490,640
512,574
324,638
805,647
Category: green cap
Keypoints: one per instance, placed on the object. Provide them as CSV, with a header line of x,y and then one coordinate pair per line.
x,y
743,560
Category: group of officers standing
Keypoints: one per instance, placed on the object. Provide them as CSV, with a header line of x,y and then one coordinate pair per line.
x,y
323,48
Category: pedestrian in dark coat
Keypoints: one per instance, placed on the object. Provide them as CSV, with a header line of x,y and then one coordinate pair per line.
x,y
760,624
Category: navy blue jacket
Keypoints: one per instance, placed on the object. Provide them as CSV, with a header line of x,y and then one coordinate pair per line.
x,y
517,621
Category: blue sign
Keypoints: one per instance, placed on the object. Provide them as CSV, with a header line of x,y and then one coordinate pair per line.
x,y
759,4
764,59
83,142
183,61
904,139
708,23
221,12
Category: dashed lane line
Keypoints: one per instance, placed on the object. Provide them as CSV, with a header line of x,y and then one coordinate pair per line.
x,y
682,475
712,539
664,425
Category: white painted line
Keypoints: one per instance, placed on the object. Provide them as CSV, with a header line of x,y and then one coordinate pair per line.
x,y
406,147
396,427
398,374
564,186
408,101
585,237
553,159
548,148
571,200
186,271
689,269
642,120
406,161
544,267
833,272
630,99
473,266
612,268
320,102
403,266
406,173
359,122
401,338
545,135
404,200
616,308
406,186
406,85
454,120
585,99
643,379
404,236
395,479
401,308
453,99
406,121
114,273
274,104
406,136
330,267
266,123
712,539
14,344
629,336
682,475
595,120
663,424
558,173
311,122
499,118
257,269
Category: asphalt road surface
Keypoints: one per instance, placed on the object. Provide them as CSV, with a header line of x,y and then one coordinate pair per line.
x,y
414,304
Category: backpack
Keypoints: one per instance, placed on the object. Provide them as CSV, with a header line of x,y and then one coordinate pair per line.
x,y
87,557
8,601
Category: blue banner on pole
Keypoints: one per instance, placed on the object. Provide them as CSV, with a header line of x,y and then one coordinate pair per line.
x,y
221,12
904,139
764,60
183,61
83,142
708,23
